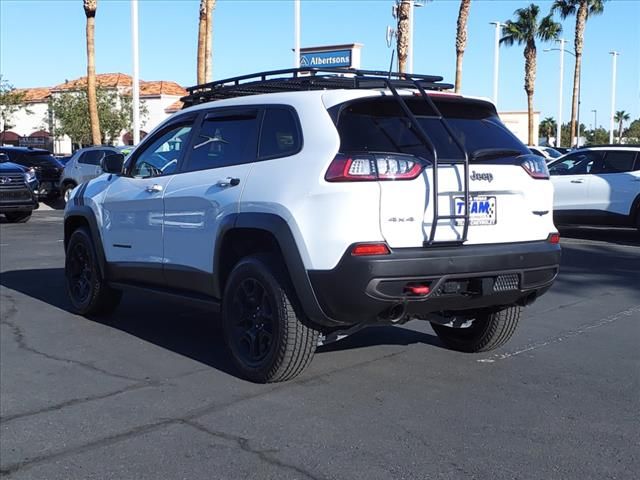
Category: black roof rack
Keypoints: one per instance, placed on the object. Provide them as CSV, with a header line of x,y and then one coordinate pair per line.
x,y
298,79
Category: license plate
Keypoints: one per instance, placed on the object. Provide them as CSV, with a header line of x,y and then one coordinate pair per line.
x,y
482,210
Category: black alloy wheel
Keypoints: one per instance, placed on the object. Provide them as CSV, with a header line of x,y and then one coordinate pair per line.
x,y
88,292
80,273
254,328
268,336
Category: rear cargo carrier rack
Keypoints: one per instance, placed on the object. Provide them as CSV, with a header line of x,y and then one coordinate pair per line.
x,y
301,79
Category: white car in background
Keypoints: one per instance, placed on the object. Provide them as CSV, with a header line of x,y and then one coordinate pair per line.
x,y
548,153
598,186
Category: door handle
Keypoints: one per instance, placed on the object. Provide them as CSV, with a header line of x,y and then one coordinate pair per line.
x,y
577,181
228,182
155,188
636,180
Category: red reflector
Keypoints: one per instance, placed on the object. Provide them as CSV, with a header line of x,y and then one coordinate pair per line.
x,y
417,289
370,249
554,238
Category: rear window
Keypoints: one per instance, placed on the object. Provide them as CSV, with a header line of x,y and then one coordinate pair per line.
x,y
41,159
379,125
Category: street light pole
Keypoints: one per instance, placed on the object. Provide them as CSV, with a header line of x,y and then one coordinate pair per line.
x,y
613,94
136,72
595,119
496,61
296,33
562,41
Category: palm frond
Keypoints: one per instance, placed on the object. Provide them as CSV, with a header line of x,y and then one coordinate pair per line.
x,y
565,8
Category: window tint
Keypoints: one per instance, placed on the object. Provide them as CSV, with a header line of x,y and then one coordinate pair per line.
x,y
380,125
615,162
225,140
579,163
92,157
161,156
280,135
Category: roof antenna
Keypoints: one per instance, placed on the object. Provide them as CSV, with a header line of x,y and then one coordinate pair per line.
x,y
389,37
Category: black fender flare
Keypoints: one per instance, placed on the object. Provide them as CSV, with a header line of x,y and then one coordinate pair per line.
x,y
281,231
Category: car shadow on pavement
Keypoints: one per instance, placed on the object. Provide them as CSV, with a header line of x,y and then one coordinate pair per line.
x,y
182,327
617,236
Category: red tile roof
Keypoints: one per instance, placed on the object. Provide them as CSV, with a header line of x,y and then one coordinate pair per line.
x,y
104,80
35,95
161,87
174,107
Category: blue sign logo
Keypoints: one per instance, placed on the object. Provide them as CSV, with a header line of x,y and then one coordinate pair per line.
x,y
338,58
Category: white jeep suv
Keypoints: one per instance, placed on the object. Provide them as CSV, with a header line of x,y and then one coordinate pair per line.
x,y
306,204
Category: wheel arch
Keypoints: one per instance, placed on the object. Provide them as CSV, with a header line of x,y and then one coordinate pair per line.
x,y
249,233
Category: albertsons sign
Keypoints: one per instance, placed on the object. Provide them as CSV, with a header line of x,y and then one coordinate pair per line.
x,y
338,58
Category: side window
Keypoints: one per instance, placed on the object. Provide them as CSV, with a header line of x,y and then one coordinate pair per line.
x,y
579,163
160,157
280,136
91,157
225,140
616,161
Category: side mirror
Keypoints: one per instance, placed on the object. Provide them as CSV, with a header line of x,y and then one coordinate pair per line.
x,y
4,157
112,163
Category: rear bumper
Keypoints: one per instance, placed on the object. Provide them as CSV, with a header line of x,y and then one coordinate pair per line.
x,y
367,289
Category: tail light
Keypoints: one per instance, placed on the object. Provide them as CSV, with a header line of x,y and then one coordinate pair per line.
x,y
371,167
365,249
553,238
535,166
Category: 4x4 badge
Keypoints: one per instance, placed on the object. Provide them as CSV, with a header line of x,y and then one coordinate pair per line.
x,y
481,176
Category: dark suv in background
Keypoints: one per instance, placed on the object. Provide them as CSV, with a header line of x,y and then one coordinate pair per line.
x,y
47,168
17,191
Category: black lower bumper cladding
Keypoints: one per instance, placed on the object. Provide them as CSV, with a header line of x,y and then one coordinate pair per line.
x,y
470,277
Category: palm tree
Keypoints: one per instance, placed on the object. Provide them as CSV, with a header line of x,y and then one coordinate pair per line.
x,y
90,7
208,71
621,116
402,14
547,128
582,9
461,40
202,41
524,30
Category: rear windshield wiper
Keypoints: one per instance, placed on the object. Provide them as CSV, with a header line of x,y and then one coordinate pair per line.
x,y
487,153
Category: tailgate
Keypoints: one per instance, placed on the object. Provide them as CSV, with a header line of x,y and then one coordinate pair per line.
x,y
506,205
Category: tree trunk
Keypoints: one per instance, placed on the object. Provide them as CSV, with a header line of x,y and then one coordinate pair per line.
x,y
529,83
620,131
90,7
202,40
461,40
208,71
403,35
581,20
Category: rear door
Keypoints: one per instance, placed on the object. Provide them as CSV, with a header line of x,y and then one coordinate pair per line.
x,y
507,204
88,164
205,192
613,187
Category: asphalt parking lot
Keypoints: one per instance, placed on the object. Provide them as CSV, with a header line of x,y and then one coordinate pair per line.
x,y
149,393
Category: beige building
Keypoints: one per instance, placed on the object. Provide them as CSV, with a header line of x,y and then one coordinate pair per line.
x,y
518,123
33,124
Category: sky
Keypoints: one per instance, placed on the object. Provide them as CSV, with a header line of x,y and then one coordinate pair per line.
x,y
42,43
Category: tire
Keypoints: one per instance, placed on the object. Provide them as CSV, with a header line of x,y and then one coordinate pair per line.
x,y
18,217
487,332
265,331
66,191
87,290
